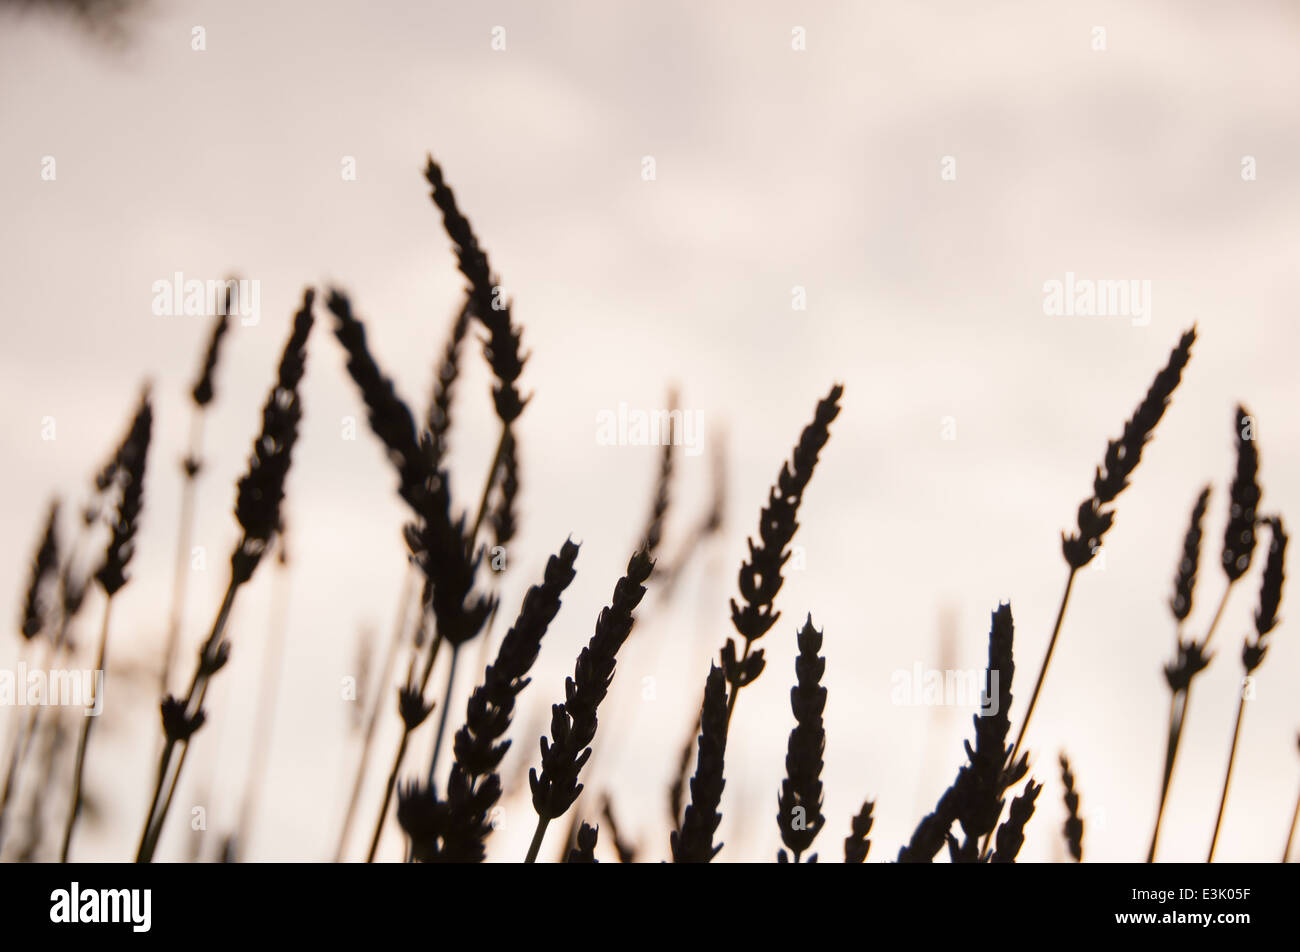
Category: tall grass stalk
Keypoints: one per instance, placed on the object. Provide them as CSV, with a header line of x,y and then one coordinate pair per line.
x,y
456,829
447,690
212,657
1179,675
111,576
184,535
555,784
20,740
264,717
83,741
35,620
1252,654
760,575
201,395
1121,459
372,718
408,726
72,593
1290,835
1235,558
259,505
1227,776
1094,518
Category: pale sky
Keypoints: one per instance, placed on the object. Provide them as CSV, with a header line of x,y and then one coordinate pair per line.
x,y
775,169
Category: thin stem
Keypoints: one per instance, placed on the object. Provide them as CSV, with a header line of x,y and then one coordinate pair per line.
x,y
488,484
1227,777
388,796
433,653
538,835
164,761
442,715
1177,717
84,741
198,684
20,744
1217,615
52,654
155,834
1047,659
48,761
184,535
1176,731
367,742
18,757
265,716
1290,837
401,753
1033,698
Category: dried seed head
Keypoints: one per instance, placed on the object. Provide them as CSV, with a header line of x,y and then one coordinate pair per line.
x,y
438,544
986,776
681,776
1192,658
1270,592
469,804
1239,537
72,589
1185,579
213,660
760,576
260,500
491,706
1122,457
44,566
856,844
585,849
503,518
740,672
932,832
1073,822
202,391
1011,834
573,723
694,842
130,473
502,346
411,705
659,507
437,419
423,817
799,805
177,727
389,416
1270,595
976,795
475,786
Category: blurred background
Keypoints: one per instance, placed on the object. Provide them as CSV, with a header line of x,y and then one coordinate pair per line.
x,y
918,173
